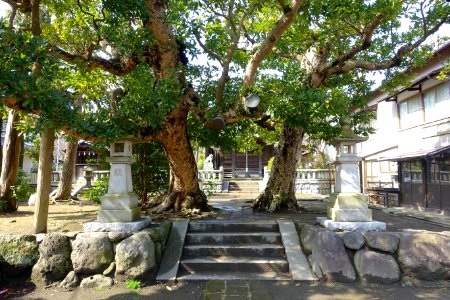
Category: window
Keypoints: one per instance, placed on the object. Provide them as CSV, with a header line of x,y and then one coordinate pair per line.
x,y
410,112
437,103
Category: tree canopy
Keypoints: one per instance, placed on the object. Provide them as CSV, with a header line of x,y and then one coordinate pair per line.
x,y
142,68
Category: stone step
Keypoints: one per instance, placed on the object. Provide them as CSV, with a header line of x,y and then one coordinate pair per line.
x,y
249,250
244,190
235,264
217,226
233,238
212,275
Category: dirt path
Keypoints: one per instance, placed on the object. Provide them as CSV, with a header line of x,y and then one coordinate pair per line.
x,y
62,217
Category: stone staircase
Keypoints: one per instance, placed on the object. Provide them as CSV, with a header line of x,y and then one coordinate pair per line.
x,y
247,186
219,250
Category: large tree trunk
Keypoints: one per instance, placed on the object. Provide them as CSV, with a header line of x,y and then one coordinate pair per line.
x,y
280,190
44,181
10,162
184,191
65,183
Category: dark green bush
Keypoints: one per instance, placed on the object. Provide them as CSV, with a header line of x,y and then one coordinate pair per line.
x,y
99,188
22,190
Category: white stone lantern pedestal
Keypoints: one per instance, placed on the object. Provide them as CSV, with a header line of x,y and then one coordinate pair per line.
x,y
348,208
119,210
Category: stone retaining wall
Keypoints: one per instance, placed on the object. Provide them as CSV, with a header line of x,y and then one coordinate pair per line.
x,y
87,259
376,257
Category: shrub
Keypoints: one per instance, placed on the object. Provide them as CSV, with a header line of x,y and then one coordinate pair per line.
x,y
22,190
133,284
99,188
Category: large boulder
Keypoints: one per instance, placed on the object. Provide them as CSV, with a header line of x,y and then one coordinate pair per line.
x,y
329,253
375,267
17,253
384,241
117,236
91,253
135,258
54,261
425,255
307,236
353,240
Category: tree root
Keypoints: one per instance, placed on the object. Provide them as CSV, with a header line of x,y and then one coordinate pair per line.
x,y
271,203
178,201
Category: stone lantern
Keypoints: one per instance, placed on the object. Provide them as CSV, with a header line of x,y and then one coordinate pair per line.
x,y
119,210
348,208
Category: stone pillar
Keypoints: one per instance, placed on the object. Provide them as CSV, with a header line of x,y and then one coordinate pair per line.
x,y
347,204
120,204
348,208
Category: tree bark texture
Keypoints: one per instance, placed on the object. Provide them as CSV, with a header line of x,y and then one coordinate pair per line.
x,y
65,184
10,162
44,181
280,190
184,191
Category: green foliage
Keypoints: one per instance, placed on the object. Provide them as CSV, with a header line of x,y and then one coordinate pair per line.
x,y
150,172
99,188
22,190
133,284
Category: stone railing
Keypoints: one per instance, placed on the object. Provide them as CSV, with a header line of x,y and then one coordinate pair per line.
x,y
211,180
56,177
96,175
308,181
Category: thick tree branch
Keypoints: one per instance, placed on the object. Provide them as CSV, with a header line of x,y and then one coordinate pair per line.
x,y
12,17
266,47
363,45
394,61
114,66
23,6
35,18
235,34
206,49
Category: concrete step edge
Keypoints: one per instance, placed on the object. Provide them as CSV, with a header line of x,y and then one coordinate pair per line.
x,y
234,260
265,234
236,276
241,246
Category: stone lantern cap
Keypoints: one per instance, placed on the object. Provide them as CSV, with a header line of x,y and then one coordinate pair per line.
x,y
348,137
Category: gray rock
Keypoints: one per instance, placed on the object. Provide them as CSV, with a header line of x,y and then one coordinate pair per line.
x,y
374,267
384,241
96,281
70,281
307,235
153,233
425,255
135,258
315,267
92,253
329,253
17,253
54,261
134,226
353,240
164,230
117,236
110,270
